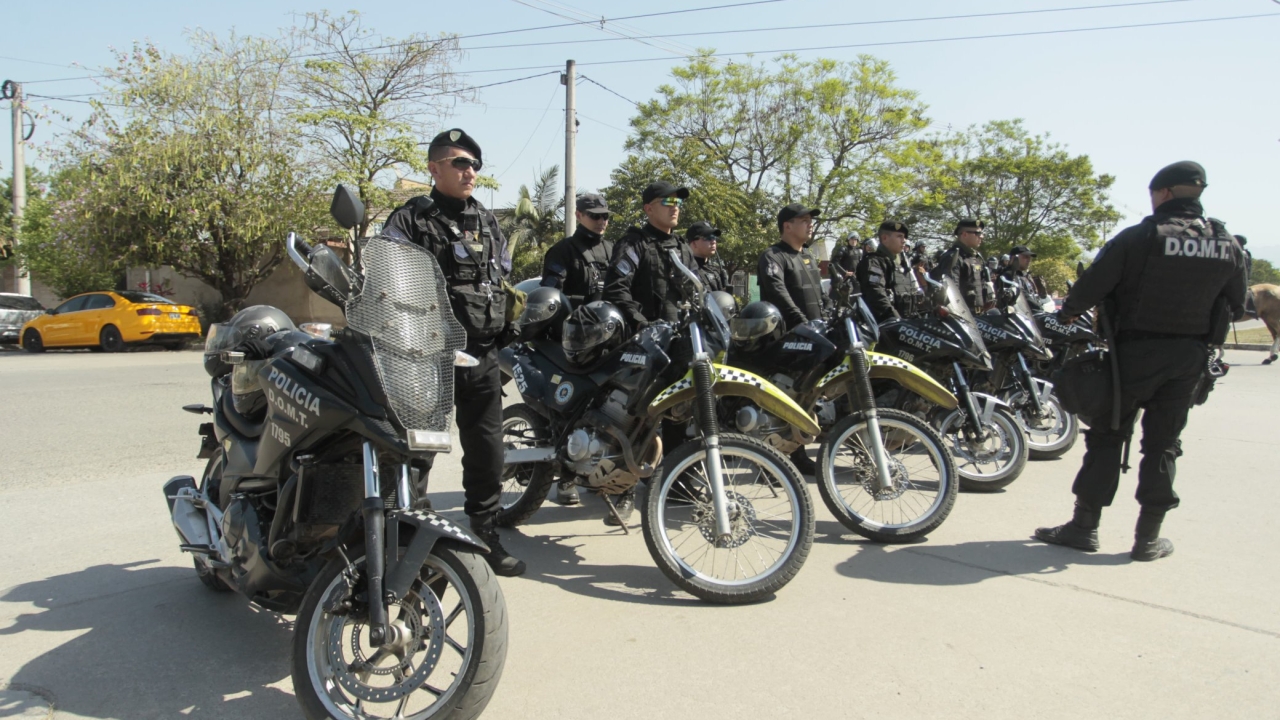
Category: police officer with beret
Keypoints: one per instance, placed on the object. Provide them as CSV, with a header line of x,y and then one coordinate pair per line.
x,y
1167,284
788,272
1018,272
843,266
963,263
577,264
472,253
887,285
703,242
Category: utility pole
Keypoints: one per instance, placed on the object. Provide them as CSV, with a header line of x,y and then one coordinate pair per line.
x,y
570,79
13,92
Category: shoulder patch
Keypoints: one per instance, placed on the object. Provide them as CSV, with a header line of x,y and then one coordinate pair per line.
x,y
625,267
633,255
773,269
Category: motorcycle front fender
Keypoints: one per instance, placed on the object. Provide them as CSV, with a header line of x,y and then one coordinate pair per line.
x,y
887,367
735,382
427,528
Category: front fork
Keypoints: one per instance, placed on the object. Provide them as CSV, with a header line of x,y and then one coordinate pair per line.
x,y
705,414
375,540
865,402
1029,383
976,426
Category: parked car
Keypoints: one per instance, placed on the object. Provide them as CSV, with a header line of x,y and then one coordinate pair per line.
x,y
15,311
112,321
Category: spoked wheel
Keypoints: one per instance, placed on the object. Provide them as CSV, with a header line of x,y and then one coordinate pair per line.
x,y
447,648
1050,434
524,487
770,519
923,474
989,464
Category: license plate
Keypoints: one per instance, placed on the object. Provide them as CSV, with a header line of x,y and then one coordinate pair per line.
x,y
174,316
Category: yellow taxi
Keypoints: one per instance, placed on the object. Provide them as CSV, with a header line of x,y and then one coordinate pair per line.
x,y
112,321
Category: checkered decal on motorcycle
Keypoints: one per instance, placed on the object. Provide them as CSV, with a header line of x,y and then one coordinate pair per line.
x,y
684,383
843,367
875,358
723,372
440,523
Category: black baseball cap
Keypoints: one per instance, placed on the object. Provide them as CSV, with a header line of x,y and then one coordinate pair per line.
x,y
701,230
795,210
456,138
894,226
1021,250
662,189
592,202
970,224
1179,173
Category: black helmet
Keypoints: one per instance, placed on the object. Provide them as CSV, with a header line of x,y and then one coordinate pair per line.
x,y
545,310
756,326
728,303
251,323
591,332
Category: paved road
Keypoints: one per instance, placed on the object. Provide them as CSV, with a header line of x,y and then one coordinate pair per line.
x,y
101,613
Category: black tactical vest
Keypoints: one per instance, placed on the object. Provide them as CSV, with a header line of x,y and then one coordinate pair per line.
x,y
1189,261
470,263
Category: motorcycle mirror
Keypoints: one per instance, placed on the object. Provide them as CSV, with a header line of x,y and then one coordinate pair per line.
x,y
346,208
690,275
1079,269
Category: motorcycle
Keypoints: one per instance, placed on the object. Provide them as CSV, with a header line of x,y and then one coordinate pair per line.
x,y
307,503
983,433
883,473
726,518
1013,336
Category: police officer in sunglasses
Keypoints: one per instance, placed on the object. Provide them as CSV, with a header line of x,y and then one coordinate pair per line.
x,y
577,264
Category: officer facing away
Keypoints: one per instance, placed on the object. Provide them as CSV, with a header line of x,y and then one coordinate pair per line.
x,y
1166,282
641,282
789,278
703,241
963,263
844,264
472,252
887,285
577,264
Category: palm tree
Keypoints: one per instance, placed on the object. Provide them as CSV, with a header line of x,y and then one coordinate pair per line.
x,y
534,223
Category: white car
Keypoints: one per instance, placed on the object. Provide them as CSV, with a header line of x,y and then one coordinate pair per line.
x,y
15,311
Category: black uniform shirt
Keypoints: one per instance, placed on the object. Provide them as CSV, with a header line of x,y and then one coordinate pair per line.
x,y
713,273
966,268
790,279
888,288
577,265
641,281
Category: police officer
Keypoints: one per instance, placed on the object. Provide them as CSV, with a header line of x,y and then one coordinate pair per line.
x,y
1250,305
1161,280
472,252
790,279
641,282
844,264
1018,271
963,263
887,285
703,242
788,271
577,264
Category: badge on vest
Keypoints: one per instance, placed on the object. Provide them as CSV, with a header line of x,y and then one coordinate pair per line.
x,y
1210,248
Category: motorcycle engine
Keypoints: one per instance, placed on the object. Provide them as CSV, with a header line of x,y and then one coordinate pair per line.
x,y
596,455
754,421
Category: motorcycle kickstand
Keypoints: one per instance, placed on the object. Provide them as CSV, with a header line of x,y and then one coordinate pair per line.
x,y
613,510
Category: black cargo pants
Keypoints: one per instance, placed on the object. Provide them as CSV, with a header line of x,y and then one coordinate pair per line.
x,y
1158,376
477,395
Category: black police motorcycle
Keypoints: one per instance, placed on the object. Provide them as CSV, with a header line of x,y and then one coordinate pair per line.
x,y
1013,336
983,433
307,503
883,473
726,517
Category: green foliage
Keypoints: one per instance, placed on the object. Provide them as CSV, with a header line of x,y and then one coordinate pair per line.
x,y
1264,272
201,169
368,103
56,250
534,224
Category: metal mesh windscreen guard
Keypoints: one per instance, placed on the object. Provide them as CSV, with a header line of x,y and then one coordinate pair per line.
x,y
404,308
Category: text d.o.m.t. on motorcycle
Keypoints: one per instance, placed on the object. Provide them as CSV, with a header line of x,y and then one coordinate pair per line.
x,y
726,517
307,504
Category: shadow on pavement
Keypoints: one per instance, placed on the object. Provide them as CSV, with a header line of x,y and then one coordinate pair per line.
x,y
146,641
966,563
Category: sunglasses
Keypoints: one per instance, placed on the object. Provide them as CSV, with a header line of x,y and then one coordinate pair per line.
x,y
462,163
709,238
671,202
597,216
979,233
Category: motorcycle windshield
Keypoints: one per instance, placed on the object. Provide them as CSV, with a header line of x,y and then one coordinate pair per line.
x,y
404,309
1027,318
715,328
957,308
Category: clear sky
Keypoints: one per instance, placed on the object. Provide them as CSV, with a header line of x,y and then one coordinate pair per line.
x,y
1132,98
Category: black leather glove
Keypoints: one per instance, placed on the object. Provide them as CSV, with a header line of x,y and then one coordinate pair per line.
x,y
256,349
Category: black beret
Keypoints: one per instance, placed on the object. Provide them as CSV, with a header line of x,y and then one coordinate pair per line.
x,y
970,224
588,202
1242,240
662,189
701,229
795,210
894,226
456,138
1179,173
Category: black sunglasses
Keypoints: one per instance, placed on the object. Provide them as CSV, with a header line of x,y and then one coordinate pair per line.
x,y
597,216
462,163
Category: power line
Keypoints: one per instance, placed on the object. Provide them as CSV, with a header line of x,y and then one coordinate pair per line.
x,y
622,32
554,91
602,87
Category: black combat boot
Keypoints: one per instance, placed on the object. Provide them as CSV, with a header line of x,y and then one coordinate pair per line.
x,y
1147,543
1081,533
498,558
803,463
625,504
566,493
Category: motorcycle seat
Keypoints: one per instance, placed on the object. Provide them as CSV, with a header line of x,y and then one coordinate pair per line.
x,y
245,426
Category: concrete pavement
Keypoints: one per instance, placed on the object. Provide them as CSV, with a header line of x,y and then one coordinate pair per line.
x,y
101,614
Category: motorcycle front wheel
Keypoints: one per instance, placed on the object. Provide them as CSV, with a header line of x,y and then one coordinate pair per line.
x,y
1049,435
449,643
524,486
924,478
770,515
992,463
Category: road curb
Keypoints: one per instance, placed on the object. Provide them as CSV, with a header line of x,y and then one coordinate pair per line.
x,y
1247,346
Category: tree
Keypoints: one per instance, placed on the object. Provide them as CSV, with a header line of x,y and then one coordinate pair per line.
x,y
1264,272
197,165
366,102
534,223
1029,191
822,132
